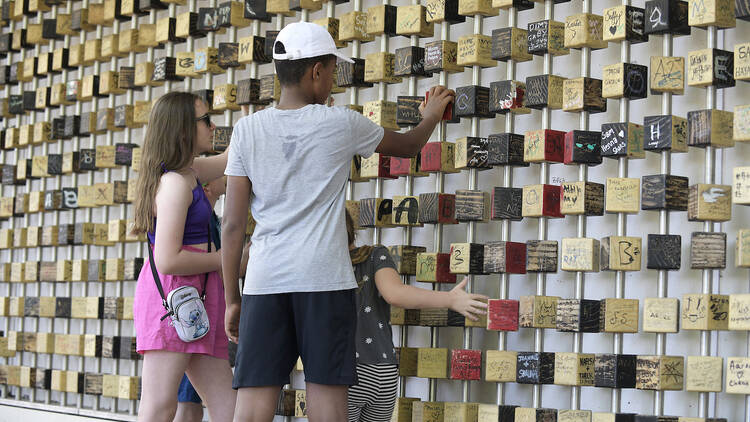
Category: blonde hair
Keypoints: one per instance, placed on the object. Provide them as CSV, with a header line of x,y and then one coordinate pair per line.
x,y
168,145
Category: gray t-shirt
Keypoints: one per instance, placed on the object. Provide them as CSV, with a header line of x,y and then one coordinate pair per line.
x,y
298,162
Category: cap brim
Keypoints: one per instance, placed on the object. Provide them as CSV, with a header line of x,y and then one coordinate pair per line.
x,y
342,57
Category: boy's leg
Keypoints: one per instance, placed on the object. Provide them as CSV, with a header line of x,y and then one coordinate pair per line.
x,y
161,376
256,404
266,353
212,378
326,323
189,404
326,402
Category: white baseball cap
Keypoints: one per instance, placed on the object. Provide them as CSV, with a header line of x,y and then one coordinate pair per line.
x,y
302,40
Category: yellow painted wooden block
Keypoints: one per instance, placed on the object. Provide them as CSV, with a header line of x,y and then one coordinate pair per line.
x,y
742,61
709,67
20,237
379,67
402,410
659,372
411,20
69,344
127,308
225,97
426,411
5,352
128,42
146,37
332,26
741,186
703,373
353,26
741,131
17,273
92,51
569,415
59,380
47,307
442,55
621,253
382,113
206,60
618,315
25,133
42,131
110,385
500,366
15,340
709,202
6,238
477,7
115,269
738,375
128,387
667,74
45,342
580,254
31,271
460,412
87,307
279,7
186,64
16,305
742,248
584,30
26,73
475,50
537,311
705,13
623,195
705,311
376,19
33,235
39,166
300,404
661,315
109,83
432,363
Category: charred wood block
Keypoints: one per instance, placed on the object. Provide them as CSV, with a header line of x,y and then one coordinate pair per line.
x,y
505,257
708,250
351,74
667,17
582,198
506,149
472,101
578,315
408,61
248,91
535,368
664,191
583,147
382,20
660,372
614,371
443,11
664,252
710,128
472,205
437,208
541,256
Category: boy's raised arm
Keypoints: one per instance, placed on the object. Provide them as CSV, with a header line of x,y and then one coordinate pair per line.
x,y
409,144
232,234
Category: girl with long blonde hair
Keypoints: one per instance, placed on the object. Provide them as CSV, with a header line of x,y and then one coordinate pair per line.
x,y
172,209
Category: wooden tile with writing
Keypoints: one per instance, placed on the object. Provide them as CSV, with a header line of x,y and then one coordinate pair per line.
x,y
505,257
508,96
500,366
379,67
406,211
353,26
477,7
541,201
624,23
535,368
574,369
577,315
615,370
618,316
584,30
710,128
621,253
719,13
467,258
546,36
503,315
441,55
664,252
737,374
434,268
382,113
460,412
704,373
382,20
472,101
424,411
625,80
583,94
664,191
665,133
475,50
711,67
510,43
659,372
471,152
432,363
667,16
400,316
544,145
708,250
375,212
465,365
709,202
411,20
623,195
582,198
537,311
405,257
541,256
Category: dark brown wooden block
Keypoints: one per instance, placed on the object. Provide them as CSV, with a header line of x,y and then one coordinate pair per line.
x,y
248,91
270,89
409,61
665,133
165,69
663,191
505,149
256,10
583,94
62,307
351,74
510,44
472,101
535,368
507,203
583,147
541,256
577,315
92,383
614,371
667,17
582,198
742,9
664,252
111,347
407,110
710,128
708,250
505,257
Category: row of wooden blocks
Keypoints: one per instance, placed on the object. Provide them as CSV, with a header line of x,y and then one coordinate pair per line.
x,y
697,311
644,372
107,385
66,270
87,307
81,196
87,345
409,409
61,235
703,202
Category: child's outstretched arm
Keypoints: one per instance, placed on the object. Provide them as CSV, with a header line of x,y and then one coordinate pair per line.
x,y
210,168
410,143
232,235
396,293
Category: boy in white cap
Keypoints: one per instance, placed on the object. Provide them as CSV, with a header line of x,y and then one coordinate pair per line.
x,y
298,295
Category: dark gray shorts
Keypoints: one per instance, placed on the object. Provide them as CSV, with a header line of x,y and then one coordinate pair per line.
x,y
275,329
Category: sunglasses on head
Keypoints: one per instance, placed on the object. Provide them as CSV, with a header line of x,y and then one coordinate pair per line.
x,y
206,118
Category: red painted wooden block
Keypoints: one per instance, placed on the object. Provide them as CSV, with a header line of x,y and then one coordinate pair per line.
x,y
438,156
400,166
437,208
443,269
545,145
466,364
552,198
502,315
505,257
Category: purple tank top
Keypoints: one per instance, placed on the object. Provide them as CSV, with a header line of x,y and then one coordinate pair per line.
x,y
196,221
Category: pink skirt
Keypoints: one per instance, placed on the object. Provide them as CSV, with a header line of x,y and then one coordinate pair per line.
x,y
153,334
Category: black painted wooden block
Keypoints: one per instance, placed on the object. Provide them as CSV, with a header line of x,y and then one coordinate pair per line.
x,y
535,368
270,38
472,101
578,315
29,100
664,192
409,61
667,17
622,139
505,149
165,69
256,9
583,147
54,164
4,75
208,19
49,30
6,43
664,252
87,159
506,203
546,36
124,154
351,74
627,21
510,43
229,55
15,104
72,126
614,371
407,110
742,9
665,133
506,96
